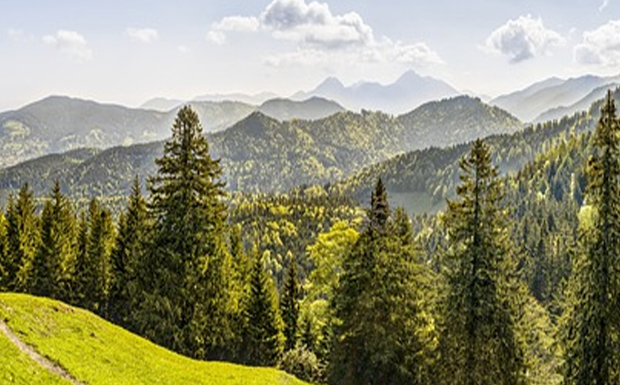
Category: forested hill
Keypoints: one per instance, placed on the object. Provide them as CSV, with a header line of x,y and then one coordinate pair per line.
x,y
57,123
262,154
420,180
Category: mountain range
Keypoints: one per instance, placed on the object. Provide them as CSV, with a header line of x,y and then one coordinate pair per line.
x,y
263,154
57,124
554,97
406,93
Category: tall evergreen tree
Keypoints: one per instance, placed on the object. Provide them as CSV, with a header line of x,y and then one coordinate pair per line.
x,y
129,250
479,344
263,341
289,304
23,239
592,339
92,273
57,248
187,304
380,333
3,252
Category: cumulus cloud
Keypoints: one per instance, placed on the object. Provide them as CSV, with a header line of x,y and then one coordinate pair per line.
x,y
600,46
217,34
70,43
321,35
523,39
143,35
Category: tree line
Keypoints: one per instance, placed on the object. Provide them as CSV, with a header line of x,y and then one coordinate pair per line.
x,y
371,307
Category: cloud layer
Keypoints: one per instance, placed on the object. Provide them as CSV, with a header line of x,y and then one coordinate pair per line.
x,y
318,33
142,35
523,39
600,46
70,43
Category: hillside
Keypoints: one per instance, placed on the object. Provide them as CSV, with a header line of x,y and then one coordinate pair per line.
x,y
421,180
310,109
57,124
540,97
94,352
262,154
582,105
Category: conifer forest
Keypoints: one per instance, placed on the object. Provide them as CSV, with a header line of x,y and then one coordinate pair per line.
x,y
515,281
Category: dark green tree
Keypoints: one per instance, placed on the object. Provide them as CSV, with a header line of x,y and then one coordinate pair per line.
x,y
92,273
263,341
186,273
479,342
3,252
130,247
23,238
592,323
380,336
51,272
289,304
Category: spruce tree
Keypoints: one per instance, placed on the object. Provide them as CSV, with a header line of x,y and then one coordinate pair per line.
x,y
289,304
592,322
186,305
57,248
380,334
23,239
479,343
3,252
263,341
92,272
129,250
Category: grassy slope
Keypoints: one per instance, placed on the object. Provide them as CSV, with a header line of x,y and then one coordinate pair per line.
x,y
17,368
97,352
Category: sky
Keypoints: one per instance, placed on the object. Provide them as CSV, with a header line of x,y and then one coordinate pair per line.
x,y
129,51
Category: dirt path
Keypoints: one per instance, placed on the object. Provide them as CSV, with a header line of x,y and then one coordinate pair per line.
x,y
44,362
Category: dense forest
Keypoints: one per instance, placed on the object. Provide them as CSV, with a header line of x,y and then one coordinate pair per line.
x,y
514,281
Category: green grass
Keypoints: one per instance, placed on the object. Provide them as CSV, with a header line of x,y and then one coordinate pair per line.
x,y
17,367
97,352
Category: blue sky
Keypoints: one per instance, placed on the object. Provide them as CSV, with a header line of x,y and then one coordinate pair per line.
x,y
129,51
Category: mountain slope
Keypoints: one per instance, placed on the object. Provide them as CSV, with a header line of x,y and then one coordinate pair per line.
x,y
421,180
261,154
310,109
96,352
529,103
406,93
581,105
56,124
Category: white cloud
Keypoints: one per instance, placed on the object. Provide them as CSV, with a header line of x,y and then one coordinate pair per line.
x,y
320,35
143,35
231,23
600,46
523,39
70,43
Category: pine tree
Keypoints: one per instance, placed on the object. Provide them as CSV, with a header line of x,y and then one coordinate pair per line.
x,y
23,239
289,304
187,306
379,335
263,341
3,252
92,272
57,248
479,344
592,323
129,250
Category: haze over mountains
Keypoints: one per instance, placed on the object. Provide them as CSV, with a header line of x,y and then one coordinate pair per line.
x,y
57,124
554,97
260,153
